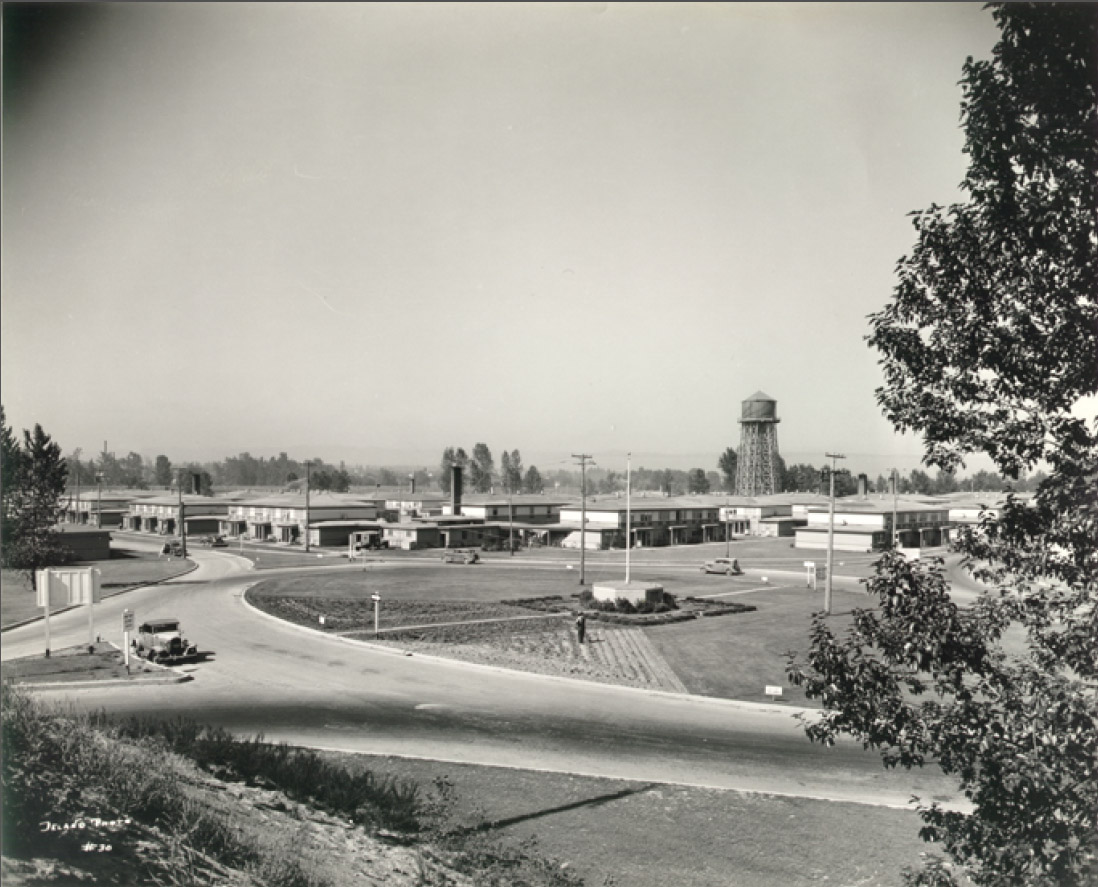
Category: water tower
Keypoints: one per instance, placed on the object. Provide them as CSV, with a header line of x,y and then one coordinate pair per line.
x,y
757,462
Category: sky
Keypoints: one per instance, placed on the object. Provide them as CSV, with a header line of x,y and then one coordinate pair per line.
x,y
371,231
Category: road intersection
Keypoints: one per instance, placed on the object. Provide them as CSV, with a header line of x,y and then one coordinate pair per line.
x,y
303,687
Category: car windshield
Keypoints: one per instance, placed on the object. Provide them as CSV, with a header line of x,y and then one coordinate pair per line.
x,y
164,626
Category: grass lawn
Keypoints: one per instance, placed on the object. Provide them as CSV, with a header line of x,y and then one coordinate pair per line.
x,y
645,835
427,580
733,656
77,664
127,568
736,658
487,581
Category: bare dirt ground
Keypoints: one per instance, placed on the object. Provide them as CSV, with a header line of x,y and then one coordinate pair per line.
x,y
610,655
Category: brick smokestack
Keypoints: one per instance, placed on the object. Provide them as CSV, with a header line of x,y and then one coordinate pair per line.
x,y
455,489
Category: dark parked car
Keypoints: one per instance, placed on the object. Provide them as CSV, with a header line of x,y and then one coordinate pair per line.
x,y
461,556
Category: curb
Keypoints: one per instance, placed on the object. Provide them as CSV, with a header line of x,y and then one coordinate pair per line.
x,y
792,710
121,591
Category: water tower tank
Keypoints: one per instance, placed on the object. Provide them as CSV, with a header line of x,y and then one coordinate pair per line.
x,y
759,407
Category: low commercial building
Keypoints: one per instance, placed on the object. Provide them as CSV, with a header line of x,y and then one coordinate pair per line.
x,y
160,514
681,520
106,508
411,506
282,517
411,535
866,525
530,509
969,512
334,533
86,543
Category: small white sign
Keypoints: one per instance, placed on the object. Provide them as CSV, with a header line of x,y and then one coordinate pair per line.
x,y
127,620
376,597
773,691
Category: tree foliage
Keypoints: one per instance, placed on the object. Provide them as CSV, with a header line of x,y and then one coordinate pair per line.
x,y
727,464
451,456
482,469
163,472
697,482
532,482
34,477
989,345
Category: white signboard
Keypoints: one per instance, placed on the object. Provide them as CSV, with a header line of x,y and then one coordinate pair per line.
x,y
773,691
69,587
127,620
82,584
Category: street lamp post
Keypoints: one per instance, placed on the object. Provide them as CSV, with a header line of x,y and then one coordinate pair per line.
x,y
830,531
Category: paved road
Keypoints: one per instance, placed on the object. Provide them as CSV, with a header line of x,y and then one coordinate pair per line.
x,y
291,684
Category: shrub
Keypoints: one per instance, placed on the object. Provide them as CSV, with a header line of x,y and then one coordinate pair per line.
x,y
369,800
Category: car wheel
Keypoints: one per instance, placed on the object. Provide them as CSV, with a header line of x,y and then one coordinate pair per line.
x,y
728,572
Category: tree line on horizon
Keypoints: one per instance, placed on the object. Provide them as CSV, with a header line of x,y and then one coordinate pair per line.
x,y
245,471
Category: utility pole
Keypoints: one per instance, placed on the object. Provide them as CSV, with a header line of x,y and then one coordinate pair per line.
x,y
511,518
830,531
895,485
583,460
182,516
308,481
628,511
727,527
99,500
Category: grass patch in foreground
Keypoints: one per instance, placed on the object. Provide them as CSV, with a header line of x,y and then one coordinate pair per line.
x,y
646,835
77,664
88,800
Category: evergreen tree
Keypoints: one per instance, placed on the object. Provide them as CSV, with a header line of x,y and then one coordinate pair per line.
x,y
727,466
33,501
532,482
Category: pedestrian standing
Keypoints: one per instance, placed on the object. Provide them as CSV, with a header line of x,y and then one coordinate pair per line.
x,y
581,627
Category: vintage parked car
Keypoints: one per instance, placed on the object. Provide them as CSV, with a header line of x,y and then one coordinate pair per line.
x,y
161,640
727,565
217,542
460,556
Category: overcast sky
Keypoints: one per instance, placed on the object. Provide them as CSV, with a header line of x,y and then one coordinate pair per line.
x,y
385,229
